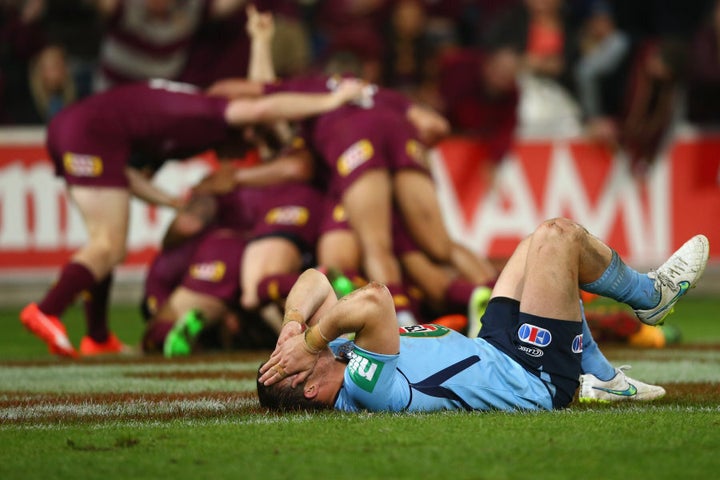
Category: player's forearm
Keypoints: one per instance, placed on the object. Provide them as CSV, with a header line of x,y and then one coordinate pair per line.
x,y
145,190
261,68
294,106
307,296
292,168
368,312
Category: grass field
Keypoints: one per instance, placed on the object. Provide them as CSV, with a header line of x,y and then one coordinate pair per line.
x,y
137,418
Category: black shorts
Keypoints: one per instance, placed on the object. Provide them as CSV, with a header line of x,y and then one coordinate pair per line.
x,y
548,348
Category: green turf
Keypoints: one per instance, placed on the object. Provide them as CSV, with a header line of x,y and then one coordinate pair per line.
x,y
676,439
625,443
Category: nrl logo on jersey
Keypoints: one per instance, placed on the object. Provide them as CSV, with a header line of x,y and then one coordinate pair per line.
x,y
426,330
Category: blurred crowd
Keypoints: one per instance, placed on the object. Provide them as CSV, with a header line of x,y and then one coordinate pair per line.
x,y
621,72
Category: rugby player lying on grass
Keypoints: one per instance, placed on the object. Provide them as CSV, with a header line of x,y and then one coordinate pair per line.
x,y
529,354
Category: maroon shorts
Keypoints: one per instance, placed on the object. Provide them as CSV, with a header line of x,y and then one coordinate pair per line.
x,y
88,155
215,266
366,140
291,210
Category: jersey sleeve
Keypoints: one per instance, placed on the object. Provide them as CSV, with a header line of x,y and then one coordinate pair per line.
x,y
373,382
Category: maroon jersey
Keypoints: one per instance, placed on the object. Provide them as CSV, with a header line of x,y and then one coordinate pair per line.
x,y
91,141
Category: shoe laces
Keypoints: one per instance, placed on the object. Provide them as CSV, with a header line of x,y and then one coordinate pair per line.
x,y
667,280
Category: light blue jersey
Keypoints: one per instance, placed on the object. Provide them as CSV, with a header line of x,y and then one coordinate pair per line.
x,y
438,369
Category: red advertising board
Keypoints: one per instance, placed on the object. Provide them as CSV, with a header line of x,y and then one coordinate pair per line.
x,y
489,209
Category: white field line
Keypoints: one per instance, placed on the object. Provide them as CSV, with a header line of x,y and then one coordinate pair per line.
x,y
674,371
98,411
121,378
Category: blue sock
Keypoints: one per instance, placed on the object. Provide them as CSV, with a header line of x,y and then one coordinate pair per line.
x,y
593,360
625,284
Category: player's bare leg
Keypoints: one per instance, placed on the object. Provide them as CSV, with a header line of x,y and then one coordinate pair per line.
x,y
368,202
262,258
416,197
559,253
105,212
339,249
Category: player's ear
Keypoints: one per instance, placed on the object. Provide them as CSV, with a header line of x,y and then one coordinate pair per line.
x,y
311,390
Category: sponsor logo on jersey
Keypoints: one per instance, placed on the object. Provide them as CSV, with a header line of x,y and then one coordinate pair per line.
x,y
532,351
357,154
80,165
577,344
425,330
363,371
288,215
208,271
534,335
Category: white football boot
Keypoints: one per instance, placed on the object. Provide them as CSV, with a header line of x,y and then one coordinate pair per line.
x,y
675,277
618,389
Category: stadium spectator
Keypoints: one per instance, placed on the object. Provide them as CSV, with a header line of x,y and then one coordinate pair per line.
x,y
90,144
530,353
703,92
22,36
541,31
344,19
652,99
151,39
480,96
409,52
51,82
600,72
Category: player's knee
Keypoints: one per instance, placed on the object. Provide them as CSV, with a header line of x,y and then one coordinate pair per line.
x,y
559,230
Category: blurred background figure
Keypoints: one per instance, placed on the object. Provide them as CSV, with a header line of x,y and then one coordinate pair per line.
x,y
653,98
51,85
704,71
600,72
541,32
480,97
146,39
21,37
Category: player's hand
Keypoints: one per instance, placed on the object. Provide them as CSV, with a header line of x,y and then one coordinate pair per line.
x,y
350,90
260,26
289,359
430,125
